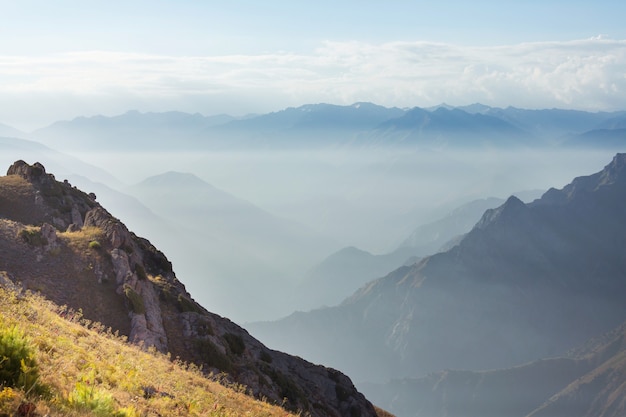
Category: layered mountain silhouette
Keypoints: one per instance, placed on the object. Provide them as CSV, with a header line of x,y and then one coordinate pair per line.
x,y
587,382
529,281
331,126
339,274
233,248
59,241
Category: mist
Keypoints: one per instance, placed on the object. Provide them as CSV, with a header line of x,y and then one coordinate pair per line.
x,y
311,204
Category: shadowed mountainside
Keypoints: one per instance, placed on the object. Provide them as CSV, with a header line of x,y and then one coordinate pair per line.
x,y
529,281
586,383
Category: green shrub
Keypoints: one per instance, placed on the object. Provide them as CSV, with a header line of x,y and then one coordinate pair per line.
x,y
18,367
87,397
95,245
135,299
186,305
141,272
265,356
33,236
210,354
235,343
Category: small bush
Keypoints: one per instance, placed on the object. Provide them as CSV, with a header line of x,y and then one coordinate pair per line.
x,y
17,362
210,354
33,236
265,356
87,397
95,245
135,300
141,272
235,343
186,305
8,399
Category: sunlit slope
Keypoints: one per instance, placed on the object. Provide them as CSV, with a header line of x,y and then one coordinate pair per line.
x,y
85,369
60,242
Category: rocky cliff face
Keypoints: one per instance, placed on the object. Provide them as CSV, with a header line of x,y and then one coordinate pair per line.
x,y
58,240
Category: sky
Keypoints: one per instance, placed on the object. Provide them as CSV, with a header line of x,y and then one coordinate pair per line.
x,y
63,59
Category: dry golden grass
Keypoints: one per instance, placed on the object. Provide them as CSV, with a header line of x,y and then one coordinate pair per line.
x,y
85,370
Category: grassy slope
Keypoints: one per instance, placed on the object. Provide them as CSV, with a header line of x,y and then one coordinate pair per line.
x,y
75,360
86,370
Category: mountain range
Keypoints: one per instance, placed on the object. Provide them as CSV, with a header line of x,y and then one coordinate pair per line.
x,y
331,126
587,382
513,295
529,281
339,274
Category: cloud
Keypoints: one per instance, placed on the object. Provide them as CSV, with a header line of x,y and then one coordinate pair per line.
x,y
585,74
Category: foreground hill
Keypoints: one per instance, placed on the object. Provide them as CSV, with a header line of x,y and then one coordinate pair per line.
x,y
102,375
529,281
59,241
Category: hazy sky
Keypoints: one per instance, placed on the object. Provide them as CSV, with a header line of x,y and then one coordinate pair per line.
x,y
60,59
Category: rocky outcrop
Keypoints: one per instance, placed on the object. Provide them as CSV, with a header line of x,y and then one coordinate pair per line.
x,y
160,313
35,173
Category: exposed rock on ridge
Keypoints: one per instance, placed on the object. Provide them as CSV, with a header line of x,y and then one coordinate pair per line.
x,y
126,283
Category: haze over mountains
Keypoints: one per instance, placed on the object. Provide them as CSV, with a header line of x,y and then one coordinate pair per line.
x,y
327,177
326,125
399,222
529,281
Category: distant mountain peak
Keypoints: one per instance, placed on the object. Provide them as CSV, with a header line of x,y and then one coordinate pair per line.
x,y
512,208
615,171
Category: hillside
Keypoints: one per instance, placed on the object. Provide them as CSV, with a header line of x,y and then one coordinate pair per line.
x,y
103,375
529,281
57,240
588,382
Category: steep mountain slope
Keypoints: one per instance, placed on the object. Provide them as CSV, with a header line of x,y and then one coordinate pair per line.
x,y
59,241
430,238
341,273
529,281
599,392
588,382
346,270
83,369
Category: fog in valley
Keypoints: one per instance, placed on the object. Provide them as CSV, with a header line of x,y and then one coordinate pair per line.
x,y
245,229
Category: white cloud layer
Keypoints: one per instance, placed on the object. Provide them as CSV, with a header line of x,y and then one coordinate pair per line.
x,y
584,74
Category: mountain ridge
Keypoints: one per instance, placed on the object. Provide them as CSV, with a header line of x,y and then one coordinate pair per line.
x,y
529,281
60,241
327,125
